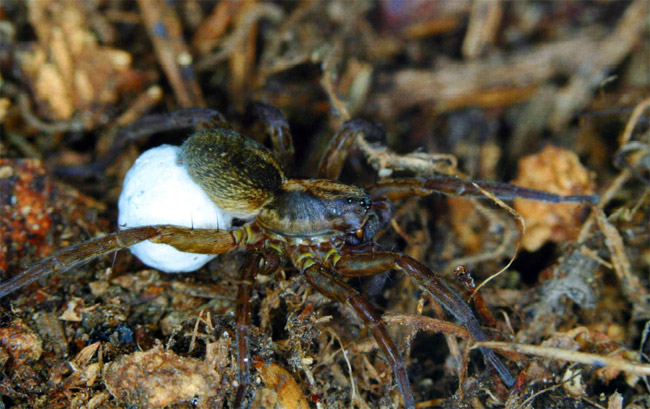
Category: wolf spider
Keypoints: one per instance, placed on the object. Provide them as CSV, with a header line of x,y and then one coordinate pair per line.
x,y
323,228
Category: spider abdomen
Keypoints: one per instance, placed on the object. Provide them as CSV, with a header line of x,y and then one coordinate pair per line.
x,y
237,173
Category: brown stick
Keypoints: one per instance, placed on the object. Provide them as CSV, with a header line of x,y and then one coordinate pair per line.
x,y
166,33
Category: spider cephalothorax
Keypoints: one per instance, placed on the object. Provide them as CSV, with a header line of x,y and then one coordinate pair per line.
x,y
324,228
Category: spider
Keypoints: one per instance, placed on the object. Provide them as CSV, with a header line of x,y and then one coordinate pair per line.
x,y
322,227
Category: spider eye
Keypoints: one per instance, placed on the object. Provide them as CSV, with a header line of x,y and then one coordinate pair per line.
x,y
363,203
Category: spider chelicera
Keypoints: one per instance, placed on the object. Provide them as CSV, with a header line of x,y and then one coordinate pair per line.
x,y
323,228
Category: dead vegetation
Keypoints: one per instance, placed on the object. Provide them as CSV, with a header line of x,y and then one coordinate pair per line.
x,y
550,95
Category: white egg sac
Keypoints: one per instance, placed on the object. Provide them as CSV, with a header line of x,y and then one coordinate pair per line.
x,y
158,190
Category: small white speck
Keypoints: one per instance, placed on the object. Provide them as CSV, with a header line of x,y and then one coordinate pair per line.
x,y
385,172
184,59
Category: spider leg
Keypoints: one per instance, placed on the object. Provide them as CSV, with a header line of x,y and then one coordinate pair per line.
x,y
333,158
206,241
277,127
364,264
257,262
332,287
395,189
186,118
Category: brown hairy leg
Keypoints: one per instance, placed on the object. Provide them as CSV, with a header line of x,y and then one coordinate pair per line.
x,y
365,264
205,241
257,262
332,287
